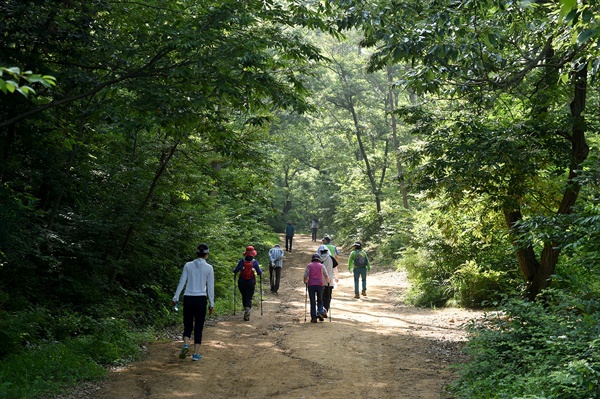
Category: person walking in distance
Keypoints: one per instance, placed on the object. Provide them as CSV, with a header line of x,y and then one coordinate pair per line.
x,y
331,266
199,280
314,275
289,236
247,280
358,263
333,251
314,226
275,266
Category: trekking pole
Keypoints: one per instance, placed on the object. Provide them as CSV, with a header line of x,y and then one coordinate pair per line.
x,y
234,274
261,312
305,299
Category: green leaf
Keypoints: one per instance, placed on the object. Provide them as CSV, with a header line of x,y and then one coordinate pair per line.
x,y
586,35
14,70
11,86
567,6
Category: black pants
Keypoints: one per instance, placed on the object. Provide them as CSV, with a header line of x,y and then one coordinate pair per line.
x,y
288,243
194,313
247,290
327,294
314,233
274,278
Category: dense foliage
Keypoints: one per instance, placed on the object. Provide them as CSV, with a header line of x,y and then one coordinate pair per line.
x,y
154,139
457,139
543,349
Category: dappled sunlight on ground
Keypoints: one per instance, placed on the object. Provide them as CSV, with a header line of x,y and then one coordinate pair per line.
x,y
369,348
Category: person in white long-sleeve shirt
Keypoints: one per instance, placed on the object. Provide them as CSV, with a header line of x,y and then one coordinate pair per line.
x,y
199,280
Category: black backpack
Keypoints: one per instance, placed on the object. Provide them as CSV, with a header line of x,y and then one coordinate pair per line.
x,y
360,259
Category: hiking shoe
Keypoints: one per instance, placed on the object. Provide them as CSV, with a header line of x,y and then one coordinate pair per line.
x,y
184,351
325,313
313,320
196,356
364,292
246,316
320,316
356,296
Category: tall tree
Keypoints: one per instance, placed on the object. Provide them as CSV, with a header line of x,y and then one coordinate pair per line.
x,y
159,107
355,104
509,123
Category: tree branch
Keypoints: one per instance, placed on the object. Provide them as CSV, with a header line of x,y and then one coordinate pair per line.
x,y
137,73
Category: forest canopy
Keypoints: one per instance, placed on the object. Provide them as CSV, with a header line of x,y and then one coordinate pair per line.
x,y
457,139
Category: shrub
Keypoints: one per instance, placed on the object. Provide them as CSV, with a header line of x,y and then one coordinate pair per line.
x,y
47,368
544,349
429,284
472,286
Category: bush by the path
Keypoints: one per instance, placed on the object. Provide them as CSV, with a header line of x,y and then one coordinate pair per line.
x,y
43,369
544,349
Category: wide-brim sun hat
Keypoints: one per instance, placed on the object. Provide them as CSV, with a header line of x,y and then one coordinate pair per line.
x,y
250,251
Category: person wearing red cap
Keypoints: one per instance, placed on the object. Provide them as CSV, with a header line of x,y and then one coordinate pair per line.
x,y
247,280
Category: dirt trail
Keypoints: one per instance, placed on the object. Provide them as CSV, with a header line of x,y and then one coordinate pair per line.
x,y
372,348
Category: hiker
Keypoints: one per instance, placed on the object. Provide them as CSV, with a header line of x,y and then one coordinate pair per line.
x,y
333,251
275,266
314,226
331,266
358,262
247,280
289,236
314,275
198,277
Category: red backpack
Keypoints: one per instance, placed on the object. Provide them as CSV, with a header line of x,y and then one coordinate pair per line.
x,y
247,272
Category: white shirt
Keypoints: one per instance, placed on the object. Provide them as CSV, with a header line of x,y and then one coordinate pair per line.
x,y
200,279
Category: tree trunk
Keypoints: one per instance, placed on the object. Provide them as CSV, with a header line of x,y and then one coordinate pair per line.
x,y
361,146
165,157
393,103
528,263
287,207
579,152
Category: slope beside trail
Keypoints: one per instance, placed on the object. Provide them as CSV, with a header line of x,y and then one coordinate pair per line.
x,y
374,347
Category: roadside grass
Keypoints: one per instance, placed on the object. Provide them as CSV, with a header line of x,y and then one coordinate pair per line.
x,y
49,368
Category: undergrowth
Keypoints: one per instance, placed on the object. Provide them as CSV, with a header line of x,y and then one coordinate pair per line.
x,y
46,368
534,350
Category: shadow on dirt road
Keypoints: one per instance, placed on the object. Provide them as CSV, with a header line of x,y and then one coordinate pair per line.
x,y
371,348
